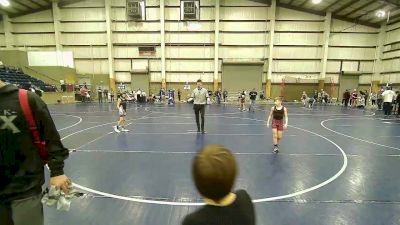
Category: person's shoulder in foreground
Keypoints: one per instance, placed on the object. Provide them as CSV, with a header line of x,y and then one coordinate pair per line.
x,y
214,171
240,212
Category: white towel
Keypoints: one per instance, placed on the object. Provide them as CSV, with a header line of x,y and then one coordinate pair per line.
x,y
55,196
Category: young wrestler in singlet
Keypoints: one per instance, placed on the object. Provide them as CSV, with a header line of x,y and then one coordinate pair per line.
x,y
279,122
121,105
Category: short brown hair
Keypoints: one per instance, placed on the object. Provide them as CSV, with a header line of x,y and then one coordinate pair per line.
x,y
199,81
278,98
214,171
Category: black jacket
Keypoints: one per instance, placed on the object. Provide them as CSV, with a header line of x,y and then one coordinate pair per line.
x,y
21,168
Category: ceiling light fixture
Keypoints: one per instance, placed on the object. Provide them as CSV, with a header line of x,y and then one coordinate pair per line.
x,y
380,13
316,1
4,3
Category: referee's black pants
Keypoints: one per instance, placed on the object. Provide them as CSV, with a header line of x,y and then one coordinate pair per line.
x,y
387,108
199,109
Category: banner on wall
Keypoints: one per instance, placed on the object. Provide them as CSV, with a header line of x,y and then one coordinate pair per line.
x,y
51,58
332,87
187,86
283,87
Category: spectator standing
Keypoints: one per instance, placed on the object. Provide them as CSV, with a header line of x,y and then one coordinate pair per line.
x,y
225,95
22,158
253,96
100,94
179,94
388,97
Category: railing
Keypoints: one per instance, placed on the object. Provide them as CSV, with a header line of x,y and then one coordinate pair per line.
x,y
56,82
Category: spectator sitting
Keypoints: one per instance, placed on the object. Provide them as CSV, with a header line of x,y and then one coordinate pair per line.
x,y
214,172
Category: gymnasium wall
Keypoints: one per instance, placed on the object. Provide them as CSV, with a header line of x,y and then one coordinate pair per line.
x,y
244,34
391,55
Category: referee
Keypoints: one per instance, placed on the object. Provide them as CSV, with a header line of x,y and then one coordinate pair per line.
x,y
199,96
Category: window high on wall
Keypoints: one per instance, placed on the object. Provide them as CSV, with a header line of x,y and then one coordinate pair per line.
x,y
136,10
190,10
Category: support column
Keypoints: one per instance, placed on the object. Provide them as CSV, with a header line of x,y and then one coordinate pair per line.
x,y
376,77
7,31
111,72
324,61
162,19
56,20
271,40
216,46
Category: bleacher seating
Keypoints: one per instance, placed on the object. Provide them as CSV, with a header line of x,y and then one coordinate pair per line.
x,y
16,76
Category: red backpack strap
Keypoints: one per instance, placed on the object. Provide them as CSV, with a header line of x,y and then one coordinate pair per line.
x,y
33,128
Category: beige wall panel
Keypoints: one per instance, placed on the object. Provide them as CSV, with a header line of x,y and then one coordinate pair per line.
x,y
123,77
244,13
365,79
241,3
122,65
245,26
91,66
82,14
155,77
152,13
393,26
350,66
299,26
391,65
2,40
42,16
367,66
38,27
189,77
288,14
172,13
291,78
207,3
207,14
155,65
328,77
189,52
343,26
87,3
189,38
333,66
130,52
298,52
119,3
353,39
88,52
298,39
118,13
41,48
172,2
391,78
188,65
189,26
87,27
135,26
84,39
391,54
296,66
242,52
34,39
244,38
136,38
393,36
351,53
